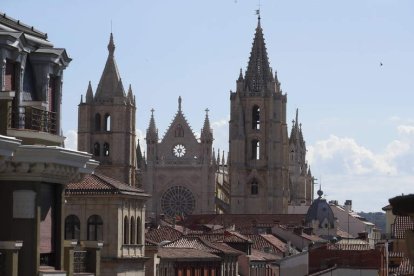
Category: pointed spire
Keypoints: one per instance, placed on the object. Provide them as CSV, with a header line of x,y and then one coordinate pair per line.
x,y
152,132
179,104
111,45
110,84
140,159
258,69
241,75
130,95
218,157
222,159
89,93
214,155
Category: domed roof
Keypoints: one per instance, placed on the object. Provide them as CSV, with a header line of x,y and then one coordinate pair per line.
x,y
321,212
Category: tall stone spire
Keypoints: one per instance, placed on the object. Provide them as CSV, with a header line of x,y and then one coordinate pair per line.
x,y
258,70
110,84
152,132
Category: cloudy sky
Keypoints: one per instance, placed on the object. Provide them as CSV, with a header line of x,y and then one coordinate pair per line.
x,y
356,115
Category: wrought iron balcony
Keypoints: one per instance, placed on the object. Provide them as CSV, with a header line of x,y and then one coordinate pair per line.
x,y
32,118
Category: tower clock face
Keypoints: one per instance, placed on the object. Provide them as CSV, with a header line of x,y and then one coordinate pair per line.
x,y
179,150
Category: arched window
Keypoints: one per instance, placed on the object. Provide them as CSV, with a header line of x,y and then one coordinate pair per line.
x,y
179,131
97,122
256,117
254,187
96,149
107,122
106,149
95,228
255,149
139,230
133,234
72,228
126,230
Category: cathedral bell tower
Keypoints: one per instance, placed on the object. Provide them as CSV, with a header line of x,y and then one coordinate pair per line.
x,y
106,126
259,143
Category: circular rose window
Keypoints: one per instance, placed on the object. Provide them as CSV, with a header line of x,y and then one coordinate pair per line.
x,y
177,200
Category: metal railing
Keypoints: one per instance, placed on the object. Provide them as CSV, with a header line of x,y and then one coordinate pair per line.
x,y
28,117
80,261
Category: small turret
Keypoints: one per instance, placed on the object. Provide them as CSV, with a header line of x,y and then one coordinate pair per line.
x,y
130,95
89,93
152,132
206,132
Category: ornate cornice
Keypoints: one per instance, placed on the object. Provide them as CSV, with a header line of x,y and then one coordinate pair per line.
x,y
46,164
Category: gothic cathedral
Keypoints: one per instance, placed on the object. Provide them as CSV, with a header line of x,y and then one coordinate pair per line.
x,y
180,174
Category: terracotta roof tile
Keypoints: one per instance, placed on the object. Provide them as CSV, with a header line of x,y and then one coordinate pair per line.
x,y
401,224
405,268
163,233
186,254
99,184
257,255
265,242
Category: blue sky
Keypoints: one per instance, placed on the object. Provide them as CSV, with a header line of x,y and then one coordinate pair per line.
x,y
356,115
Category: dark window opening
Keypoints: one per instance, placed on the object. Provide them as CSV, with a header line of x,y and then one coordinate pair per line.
x,y
126,230
97,122
96,149
106,149
254,188
139,230
72,228
133,227
256,117
95,228
179,131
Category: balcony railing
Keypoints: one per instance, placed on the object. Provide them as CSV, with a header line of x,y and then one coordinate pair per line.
x,y
27,117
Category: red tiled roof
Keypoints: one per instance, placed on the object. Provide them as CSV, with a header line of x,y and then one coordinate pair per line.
x,y
163,233
257,255
349,244
405,268
224,236
187,254
269,242
244,223
199,243
99,184
401,224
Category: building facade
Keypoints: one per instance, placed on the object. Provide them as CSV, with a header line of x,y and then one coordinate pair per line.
x,y
34,168
180,169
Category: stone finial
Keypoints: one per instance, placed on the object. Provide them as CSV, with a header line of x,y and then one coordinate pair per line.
x,y
111,45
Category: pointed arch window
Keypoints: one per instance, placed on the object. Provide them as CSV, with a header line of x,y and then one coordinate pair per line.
x,y
97,149
179,131
256,117
255,149
133,234
106,149
107,122
72,228
139,241
126,230
254,187
97,122
95,228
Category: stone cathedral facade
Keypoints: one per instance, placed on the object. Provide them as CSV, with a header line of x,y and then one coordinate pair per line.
x,y
266,170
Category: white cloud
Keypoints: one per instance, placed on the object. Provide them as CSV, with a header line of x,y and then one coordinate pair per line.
x,y
71,141
352,171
